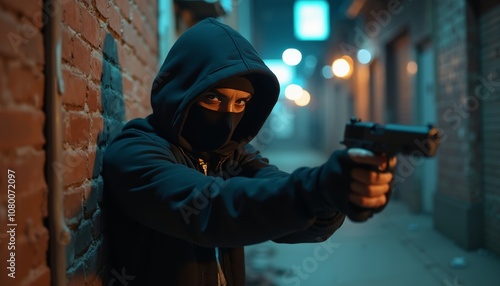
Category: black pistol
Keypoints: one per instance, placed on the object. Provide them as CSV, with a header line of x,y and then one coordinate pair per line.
x,y
391,140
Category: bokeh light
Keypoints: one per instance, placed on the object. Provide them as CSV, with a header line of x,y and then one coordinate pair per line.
x,y
291,57
293,91
412,67
304,99
342,67
364,56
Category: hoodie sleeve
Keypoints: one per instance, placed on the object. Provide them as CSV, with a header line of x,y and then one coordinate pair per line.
x,y
147,184
325,223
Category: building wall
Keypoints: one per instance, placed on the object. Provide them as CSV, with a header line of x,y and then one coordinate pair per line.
x,y
459,196
463,37
109,60
487,92
109,63
22,144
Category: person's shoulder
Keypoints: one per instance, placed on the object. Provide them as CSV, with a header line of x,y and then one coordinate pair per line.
x,y
139,132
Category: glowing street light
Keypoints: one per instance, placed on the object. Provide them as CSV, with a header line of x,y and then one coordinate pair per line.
x,y
342,67
291,57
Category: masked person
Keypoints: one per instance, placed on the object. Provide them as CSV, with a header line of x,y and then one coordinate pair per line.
x,y
184,189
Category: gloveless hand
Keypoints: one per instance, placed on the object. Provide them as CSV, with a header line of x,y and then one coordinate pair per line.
x,y
368,188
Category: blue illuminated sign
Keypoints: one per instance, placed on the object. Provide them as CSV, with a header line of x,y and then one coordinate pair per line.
x,y
311,20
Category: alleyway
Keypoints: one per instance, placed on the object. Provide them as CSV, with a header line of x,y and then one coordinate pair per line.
x,y
392,249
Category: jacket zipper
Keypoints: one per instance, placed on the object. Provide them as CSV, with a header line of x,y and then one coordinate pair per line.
x,y
204,166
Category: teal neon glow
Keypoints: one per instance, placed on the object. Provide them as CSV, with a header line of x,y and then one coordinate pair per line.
x,y
311,20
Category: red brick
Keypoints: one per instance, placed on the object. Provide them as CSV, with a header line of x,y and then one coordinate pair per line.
x,y
75,89
77,128
102,7
152,19
143,6
152,40
124,7
31,243
128,85
137,21
142,93
153,5
90,28
4,97
14,40
123,56
40,276
73,169
96,66
129,34
72,14
30,188
81,55
32,93
28,8
21,128
115,20
96,128
67,44
92,166
73,203
33,50
30,175
94,100
31,208
135,67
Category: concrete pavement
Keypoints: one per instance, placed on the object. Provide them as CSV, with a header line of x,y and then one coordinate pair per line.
x,y
392,249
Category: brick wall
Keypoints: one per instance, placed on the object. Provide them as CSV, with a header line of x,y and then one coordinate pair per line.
x,y
459,195
109,55
456,120
22,144
487,89
109,61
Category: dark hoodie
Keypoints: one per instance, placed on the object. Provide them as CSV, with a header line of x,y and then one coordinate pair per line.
x,y
167,214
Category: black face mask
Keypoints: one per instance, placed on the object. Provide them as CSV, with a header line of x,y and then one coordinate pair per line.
x,y
208,130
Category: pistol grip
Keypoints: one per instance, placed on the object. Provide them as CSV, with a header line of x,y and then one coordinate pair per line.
x,y
359,214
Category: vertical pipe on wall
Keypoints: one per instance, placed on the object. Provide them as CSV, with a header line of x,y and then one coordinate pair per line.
x,y
59,232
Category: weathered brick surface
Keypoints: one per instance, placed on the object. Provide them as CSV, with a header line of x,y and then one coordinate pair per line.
x,y
108,53
105,64
459,170
487,88
22,139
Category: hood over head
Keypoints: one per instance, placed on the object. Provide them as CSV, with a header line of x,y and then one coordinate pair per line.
x,y
205,56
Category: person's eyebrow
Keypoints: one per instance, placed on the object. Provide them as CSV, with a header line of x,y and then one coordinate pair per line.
x,y
227,96
246,97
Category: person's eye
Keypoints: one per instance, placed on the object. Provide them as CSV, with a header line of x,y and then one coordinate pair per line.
x,y
242,102
212,97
